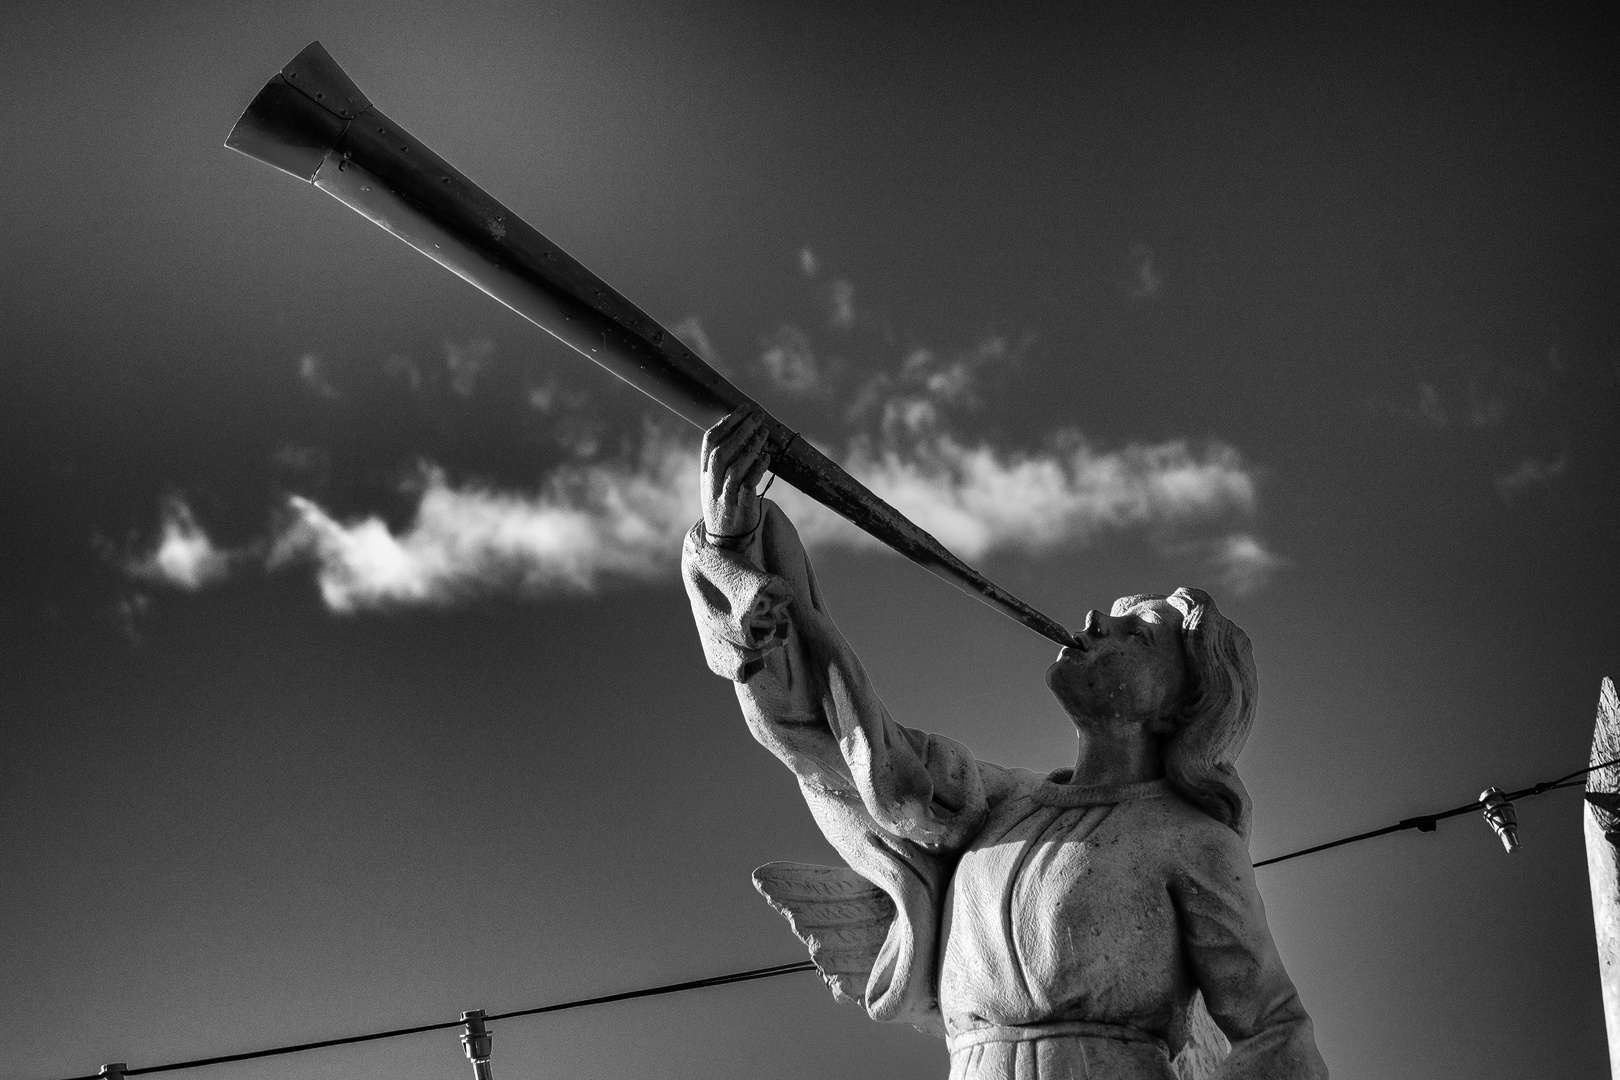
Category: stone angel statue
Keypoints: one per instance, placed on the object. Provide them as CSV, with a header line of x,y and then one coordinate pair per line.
x,y
1099,921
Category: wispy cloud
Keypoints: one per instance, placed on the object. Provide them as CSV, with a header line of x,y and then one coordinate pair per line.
x,y
790,361
1486,407
589,524
1529,473
552,397
841,305
1244,564
183,556
307,463
1462,392
597,523
461,367
1429,406
928,381
908,421
1239,563
906,430
690,330
127,612
808,263
1145,280
1484,401
979,500
466,362
312,373
1479,405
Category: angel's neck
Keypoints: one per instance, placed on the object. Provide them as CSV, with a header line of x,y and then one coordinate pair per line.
x,y
1117,755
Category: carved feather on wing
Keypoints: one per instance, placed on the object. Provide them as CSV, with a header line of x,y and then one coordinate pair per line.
x,y
1206,1046
840,916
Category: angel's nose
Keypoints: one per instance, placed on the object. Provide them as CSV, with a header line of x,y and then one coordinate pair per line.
x,y
1094,625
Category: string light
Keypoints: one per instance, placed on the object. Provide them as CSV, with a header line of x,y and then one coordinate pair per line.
x,y
1428,822
121,1070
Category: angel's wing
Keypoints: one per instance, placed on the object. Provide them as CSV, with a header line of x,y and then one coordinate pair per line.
x,y
842,918
1206,1046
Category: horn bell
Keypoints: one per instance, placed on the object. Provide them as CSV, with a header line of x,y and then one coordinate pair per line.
x,y
300,115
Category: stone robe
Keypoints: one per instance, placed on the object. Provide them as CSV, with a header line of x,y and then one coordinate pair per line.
x,y
1047,930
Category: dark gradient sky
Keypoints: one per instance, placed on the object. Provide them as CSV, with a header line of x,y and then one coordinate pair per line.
x,y
1375,252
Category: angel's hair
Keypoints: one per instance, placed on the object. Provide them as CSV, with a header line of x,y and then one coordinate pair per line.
x,y
1217,710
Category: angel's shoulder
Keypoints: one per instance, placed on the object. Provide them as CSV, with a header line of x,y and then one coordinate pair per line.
x,y
1195,842
1002,783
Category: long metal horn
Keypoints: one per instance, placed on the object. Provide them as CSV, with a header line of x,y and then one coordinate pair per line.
x,y
313,122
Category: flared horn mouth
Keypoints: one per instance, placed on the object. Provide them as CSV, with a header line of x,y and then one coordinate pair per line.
x,y
299,115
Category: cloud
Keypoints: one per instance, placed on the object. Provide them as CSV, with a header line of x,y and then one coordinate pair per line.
x,y
464,366
1529,473
183,556
1429,407
303,464
551,396
1244,564
690,330
1145,280
589,524
841,301
927,382
466,363
1464,392
1486,408
978,500
297,458
905,422
127,612
598,523
312,373
807,262
789,360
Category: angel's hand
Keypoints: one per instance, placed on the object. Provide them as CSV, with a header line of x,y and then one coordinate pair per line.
x,y
732,466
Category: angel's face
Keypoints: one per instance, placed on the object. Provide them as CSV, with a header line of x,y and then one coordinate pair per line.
x,y
1124,669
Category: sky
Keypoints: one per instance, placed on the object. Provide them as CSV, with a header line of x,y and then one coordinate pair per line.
x,y
346,676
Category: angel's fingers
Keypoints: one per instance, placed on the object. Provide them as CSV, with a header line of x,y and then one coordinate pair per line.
x,y
751,478
748,456
716,436
745,440
738,433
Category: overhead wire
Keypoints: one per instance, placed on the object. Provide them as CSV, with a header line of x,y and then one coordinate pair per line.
x,y
1422,823
561,1006
1428,822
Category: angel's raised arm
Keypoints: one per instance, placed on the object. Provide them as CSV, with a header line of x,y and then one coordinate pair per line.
x,y
806,696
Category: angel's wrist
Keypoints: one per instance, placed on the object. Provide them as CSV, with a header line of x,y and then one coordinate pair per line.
x,y
736,541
